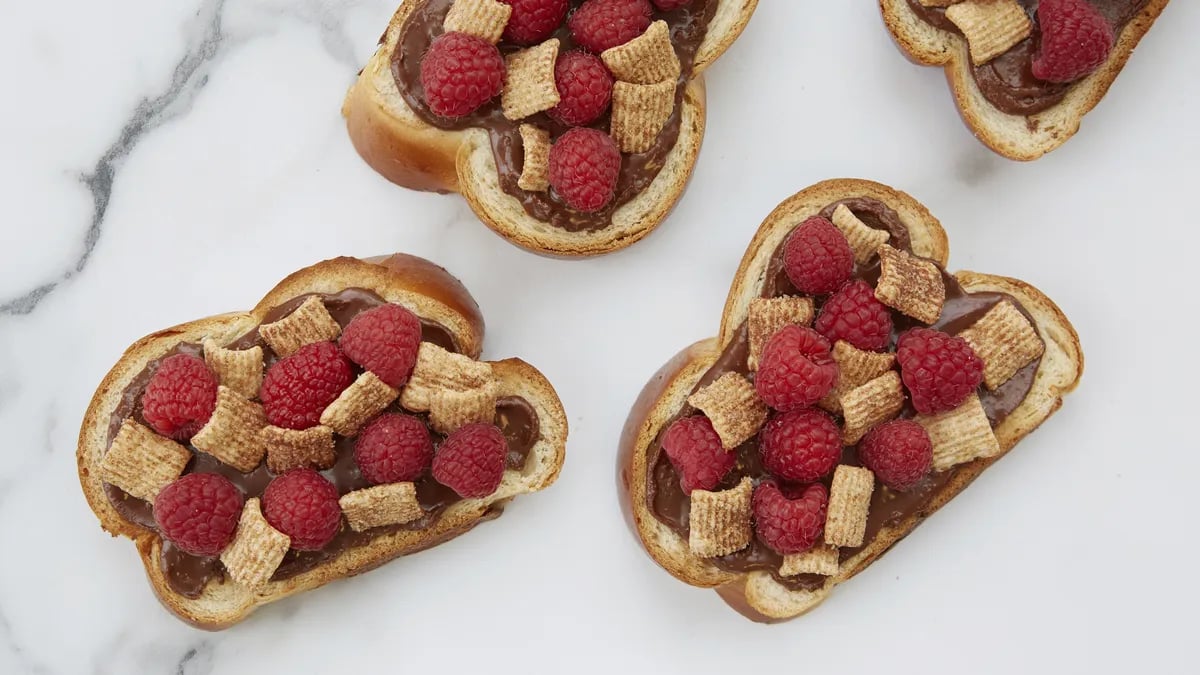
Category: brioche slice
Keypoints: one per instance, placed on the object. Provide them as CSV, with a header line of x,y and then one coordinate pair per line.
x,y
1017,137
398,144
424,288
757,594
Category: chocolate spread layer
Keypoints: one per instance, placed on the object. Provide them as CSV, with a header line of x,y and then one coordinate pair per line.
x,y
1007,81
672,507
688,27
188,574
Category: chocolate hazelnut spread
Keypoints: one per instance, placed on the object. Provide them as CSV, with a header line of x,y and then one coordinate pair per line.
x,y
671,506
1007,81
188,574
688,27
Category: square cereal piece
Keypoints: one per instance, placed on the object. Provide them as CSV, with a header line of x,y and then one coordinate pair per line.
x,y
1005,341
359,402
256,550
870,404
308,323
482,18
731,403
849,503
768,315
233,433
529,82
991,27
719,523
856,367
910,284
141,462
639,113
436,369
819,559
239,369
960,435
390,504
864,239
535,170
288,449
449,409
647,59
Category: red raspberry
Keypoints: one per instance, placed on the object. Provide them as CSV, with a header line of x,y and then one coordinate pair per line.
x,y
898,452
669,5
296,390
533,21
393,448
460,72
817,257
584,86
471,460
602,24
695,450
940,370
854,315
180,397
384,340
199,513
1076,39
789,526
801,445
584,165
303,505
796,369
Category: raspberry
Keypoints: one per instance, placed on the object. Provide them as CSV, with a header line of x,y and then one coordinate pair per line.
x,y
304,506
695,450
199,513
180,397
471,460
584,165
584,87
460,72
668,5
296,390
854,315
940,370
602,24
393,448
384,340
796,369
789,526
1076,39
817,257
801,445
898,452
533,21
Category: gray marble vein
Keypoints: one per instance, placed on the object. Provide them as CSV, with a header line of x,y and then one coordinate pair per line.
x,y
197,660
8,643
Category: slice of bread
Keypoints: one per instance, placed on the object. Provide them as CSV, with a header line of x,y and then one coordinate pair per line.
x,y
409,152
1017,137
431,293
757,594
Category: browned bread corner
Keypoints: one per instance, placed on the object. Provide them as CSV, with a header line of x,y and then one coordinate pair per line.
x,y
757,594
432,294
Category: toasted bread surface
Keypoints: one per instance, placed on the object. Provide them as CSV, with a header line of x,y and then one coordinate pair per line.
x,y
1017,137
431,293
756,594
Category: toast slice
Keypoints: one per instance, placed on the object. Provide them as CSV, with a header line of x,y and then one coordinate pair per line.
x,y
757,594
424,288
398,144
1018,137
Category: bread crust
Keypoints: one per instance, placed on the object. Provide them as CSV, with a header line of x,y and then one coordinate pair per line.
x,y
1018,137
418,284
404,149
756,594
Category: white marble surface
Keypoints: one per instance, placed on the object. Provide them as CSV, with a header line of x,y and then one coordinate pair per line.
x,y
169,160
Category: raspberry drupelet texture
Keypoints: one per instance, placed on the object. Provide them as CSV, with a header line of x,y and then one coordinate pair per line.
x,y
584,167
801,446
459,73
899,452
817,257
303,505
1075,40
533,21
854,314
789,526
584,87
471,460
939,370
297,389
384,340
393,448
180,397
796,369
602,24
199,513
695,451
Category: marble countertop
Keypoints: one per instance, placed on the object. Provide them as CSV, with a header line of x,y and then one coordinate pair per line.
x,y
170,160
